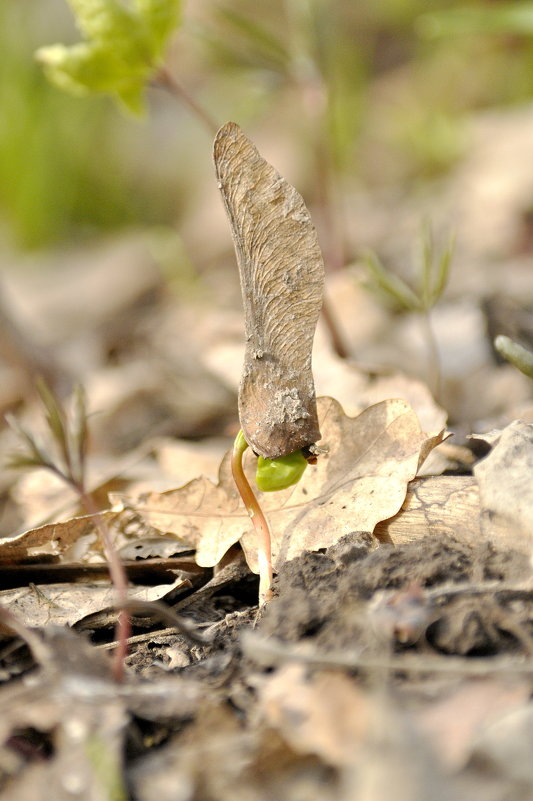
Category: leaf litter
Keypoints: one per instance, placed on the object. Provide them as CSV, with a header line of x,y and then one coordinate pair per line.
x,y
379,669
341,683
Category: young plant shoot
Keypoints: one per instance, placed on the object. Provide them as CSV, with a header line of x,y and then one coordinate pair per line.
x,y
282,278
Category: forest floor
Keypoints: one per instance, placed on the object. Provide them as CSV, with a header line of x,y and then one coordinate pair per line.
x,y
396,657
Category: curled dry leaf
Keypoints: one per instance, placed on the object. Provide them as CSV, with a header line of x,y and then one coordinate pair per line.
x,y
360,481
67,604
54,539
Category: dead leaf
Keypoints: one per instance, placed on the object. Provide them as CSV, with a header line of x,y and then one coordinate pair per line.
x,y
506,744
182,459
74,697
360,481
506,488
67,604
326,715
432,417
394,760
54,539
454,722
436,505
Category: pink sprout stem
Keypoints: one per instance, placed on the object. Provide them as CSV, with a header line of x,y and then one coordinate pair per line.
x,y
264,546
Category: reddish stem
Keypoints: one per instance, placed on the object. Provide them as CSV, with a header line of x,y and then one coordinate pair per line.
x,y
167,81
120,584
264,546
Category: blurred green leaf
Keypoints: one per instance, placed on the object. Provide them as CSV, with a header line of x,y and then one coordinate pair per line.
x,y
389,285
443,272
122,49
514,18
258,38
432,279
22,461
65,452
55,419
434,270
236,40
426,268
34,455
80,433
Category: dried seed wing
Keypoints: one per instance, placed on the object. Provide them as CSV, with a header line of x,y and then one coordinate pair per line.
x,y
282,278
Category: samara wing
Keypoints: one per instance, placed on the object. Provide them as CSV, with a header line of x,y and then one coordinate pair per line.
x,y
282,277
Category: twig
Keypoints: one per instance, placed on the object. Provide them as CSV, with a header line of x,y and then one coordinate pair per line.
x,y
167,81
70,438
119,580
492,587
158,611
271,652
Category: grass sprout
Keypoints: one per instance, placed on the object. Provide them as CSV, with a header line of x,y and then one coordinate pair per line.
x,y
64,453
420,296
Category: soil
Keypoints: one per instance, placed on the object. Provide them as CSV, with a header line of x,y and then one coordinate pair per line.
x,y
392,620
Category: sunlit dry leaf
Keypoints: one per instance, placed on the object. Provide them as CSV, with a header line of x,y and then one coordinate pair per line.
x,y
506,487
67,604
183,459
431,416
436,505
394,761
454,723
361,480
42,496
53,539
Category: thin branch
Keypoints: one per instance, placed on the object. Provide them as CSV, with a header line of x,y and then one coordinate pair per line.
x,y
119,580
166,80
273,652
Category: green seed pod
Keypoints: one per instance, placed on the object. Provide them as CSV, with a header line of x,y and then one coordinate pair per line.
x,y
278,474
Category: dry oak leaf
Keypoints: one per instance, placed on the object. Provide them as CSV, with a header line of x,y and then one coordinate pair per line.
x,y
360,481
436,506
54,539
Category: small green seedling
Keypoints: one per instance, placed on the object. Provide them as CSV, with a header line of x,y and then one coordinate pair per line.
x,y
278,474
422,297
271,475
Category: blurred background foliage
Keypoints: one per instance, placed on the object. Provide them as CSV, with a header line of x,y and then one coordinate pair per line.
x,y
369,93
